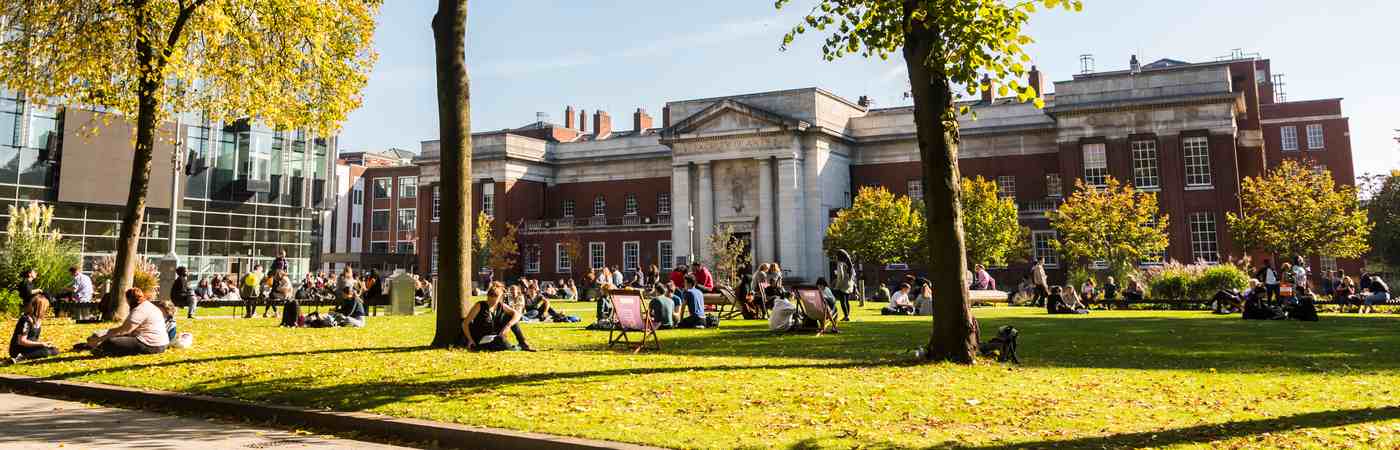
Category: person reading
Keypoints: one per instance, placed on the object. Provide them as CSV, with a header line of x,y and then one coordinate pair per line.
x,y
900,305
487,321
143,333
25,343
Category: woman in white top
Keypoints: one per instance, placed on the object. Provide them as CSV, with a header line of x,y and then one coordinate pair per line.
x,y
143,332
899,302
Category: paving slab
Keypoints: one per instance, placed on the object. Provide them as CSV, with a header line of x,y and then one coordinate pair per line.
x,y
40,423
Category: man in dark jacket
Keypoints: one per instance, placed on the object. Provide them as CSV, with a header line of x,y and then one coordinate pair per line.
x,y
180,291
27,287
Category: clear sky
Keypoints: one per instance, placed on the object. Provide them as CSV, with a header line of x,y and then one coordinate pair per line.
x,y
530,56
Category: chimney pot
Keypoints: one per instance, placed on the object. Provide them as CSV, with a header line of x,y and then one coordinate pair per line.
x,y
666,116
582,120
987,95
1037,82
641,121
602,124
1133,64
569,117
864,101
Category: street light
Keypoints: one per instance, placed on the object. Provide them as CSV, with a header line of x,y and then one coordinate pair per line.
x,y
691,224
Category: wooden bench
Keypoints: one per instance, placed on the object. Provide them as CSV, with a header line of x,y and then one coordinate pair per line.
x,y
723,303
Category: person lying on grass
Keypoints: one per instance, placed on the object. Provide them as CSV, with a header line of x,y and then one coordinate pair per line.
x,y
487,321
25,343
143,332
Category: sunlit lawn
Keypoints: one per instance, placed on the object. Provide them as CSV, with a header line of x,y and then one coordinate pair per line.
x,y
1107,380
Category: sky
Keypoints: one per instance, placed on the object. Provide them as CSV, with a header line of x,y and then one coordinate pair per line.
x,y
538,56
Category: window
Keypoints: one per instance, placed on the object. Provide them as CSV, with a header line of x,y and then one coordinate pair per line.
x,y
1095,165
406,247
408,187
437,203
1196,151
1289,136
488,204
1203,244
916,189
596,257
379,221
357,196
562,264
568,209
663,203
433,262
1328,263
1006,186
664,253
1315,136
631,255
383,188
1052,185
379,247
629,204
1145,173
408,220
355,230
600,206
1040,241
532,259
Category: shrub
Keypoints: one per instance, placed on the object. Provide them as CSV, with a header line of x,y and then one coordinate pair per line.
x,y
9,304
1077,276
1215,278
146,278
31,242
1170,286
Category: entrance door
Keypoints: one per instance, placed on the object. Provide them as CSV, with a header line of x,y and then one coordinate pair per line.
x,y
747,256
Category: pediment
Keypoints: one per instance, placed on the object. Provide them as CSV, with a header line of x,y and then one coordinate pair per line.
x,y
730,117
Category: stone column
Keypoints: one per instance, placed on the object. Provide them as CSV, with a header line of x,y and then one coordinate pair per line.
x,y
763,236
705,206
816,216
790,221
680,211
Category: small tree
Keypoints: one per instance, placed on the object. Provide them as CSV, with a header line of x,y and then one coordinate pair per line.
x,y
726,253
571,246
497,250
1114,224
879,227
1293,210
991,224
1383,209
32,242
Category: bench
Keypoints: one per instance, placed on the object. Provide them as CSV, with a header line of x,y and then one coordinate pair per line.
x,y
723,303
74,309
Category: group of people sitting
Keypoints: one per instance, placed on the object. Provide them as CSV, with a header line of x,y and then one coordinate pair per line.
x,y
149,328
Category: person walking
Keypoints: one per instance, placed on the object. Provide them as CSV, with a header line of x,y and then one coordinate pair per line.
x,y
250,290
845,286
1270,278
1042,287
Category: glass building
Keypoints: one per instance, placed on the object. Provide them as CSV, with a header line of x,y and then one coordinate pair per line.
x,y
247,191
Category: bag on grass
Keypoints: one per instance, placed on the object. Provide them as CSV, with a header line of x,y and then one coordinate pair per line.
x,y
711,321
184,340
1305,310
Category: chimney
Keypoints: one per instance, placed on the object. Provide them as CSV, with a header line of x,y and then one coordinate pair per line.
x,y
1133,65
1037,82
602,124
666,116
987,95
569,117
864,101
640,120
582,121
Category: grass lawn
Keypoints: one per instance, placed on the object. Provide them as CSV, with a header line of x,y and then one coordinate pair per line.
x,y
1108,380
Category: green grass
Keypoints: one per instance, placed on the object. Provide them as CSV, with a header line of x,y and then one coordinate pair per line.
x,y
1108,380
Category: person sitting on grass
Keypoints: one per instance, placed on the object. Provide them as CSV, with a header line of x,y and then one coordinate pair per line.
x,y
1378,295
1133,292
662,306
487,321
28,287
538,306
827,295
1110,290
169,310
900,305
25,343
694,303
1089,291
1070,303
143,333
1344,293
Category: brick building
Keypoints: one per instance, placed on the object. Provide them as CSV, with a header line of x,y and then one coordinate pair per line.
x,y
375,223
774,165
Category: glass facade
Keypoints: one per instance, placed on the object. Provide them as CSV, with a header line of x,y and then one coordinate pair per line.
x,y
221,228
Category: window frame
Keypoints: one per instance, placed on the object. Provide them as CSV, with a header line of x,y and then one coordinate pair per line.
x,y
566,209
1288,138
399,220
437,204
914,188
1052,258
663,203
388,189
1196,223
389,219
1320,135
1147,167
665,255
488,204
408,186
1006,187
600,206
600,260
1095,175
562,263
1200,179
1055,189
532,258
384,243
636,263
630,207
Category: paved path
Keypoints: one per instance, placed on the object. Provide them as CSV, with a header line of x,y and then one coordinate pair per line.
x,y
40,423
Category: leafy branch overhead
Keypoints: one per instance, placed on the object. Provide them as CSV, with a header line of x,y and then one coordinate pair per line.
x,y
978,37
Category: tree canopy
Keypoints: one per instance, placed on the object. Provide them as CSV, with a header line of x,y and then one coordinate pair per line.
x,y
879,227
1114,224
992,224
1383,208
292,64
1294,210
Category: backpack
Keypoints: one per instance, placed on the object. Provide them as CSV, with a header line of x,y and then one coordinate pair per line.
x,y
291,315
711,321
1305,310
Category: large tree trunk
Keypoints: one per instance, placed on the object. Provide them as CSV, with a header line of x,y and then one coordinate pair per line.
x,y
454,122
953,337
147,107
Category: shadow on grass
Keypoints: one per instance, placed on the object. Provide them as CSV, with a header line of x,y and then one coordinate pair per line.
x,y
85,356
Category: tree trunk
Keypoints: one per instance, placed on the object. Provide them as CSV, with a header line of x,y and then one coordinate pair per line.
x,y
953,338
454,122
147,106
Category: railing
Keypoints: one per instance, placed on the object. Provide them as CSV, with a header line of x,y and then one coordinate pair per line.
x,y
1037,208
597,222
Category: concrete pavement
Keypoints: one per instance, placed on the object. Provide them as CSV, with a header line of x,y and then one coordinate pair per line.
x,y
40,423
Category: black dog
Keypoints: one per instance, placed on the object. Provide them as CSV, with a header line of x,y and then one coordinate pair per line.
x,y
1003,346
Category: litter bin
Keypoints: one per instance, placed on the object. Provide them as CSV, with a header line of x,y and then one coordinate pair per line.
x,y
401,290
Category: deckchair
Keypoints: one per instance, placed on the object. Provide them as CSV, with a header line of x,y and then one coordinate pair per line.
x,y
811,305
629,314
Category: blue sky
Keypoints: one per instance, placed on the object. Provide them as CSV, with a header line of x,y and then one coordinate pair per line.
x,y
532,56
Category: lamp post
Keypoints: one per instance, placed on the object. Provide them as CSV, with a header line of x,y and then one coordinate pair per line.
x,y
690,223
177,162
